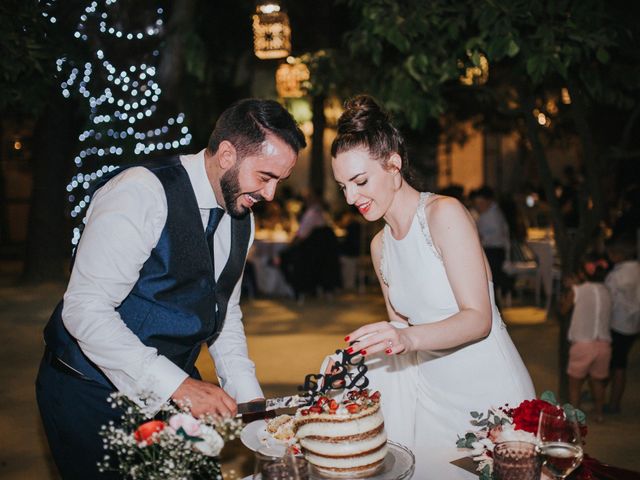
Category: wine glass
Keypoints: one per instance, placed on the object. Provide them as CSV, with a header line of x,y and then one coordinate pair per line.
x,y
559,442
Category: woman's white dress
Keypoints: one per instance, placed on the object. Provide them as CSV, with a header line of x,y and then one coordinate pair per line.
x,y
427,396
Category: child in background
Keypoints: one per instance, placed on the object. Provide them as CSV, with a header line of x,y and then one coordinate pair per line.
x,y
623,283
589,334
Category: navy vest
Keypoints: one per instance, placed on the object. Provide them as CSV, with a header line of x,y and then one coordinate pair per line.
x,y
172,307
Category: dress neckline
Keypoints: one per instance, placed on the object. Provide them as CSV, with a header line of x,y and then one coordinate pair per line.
x,y
422,220
419,214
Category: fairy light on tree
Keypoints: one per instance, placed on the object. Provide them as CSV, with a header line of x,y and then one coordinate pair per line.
x,y
118,83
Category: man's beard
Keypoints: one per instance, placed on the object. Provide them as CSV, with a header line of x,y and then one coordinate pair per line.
x,y
230,186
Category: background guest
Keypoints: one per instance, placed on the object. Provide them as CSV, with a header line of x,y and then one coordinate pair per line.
x,y
623,283
494,235
590,350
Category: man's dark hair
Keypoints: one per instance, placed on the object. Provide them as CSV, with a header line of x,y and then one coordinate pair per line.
x,y
485,192
246,123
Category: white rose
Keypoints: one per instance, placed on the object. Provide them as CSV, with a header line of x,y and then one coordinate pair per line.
x,y
211,443
511,435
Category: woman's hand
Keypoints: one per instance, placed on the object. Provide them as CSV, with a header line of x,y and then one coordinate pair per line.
x,y
380,337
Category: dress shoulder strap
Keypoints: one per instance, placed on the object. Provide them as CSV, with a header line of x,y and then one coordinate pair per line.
x,y
424,226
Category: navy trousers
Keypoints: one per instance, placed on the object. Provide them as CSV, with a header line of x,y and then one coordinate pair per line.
x,y
72,411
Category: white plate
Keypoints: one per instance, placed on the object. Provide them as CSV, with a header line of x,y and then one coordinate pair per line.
x,y
254,436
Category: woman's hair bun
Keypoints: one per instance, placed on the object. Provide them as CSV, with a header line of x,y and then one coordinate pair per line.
x,y
361,113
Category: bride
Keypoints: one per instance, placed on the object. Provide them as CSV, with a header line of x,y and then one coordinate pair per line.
x,y
444,351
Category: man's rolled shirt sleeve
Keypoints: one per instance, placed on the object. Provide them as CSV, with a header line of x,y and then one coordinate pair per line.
x,y
124,222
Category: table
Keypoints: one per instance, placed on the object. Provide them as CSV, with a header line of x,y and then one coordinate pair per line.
x,y
461,469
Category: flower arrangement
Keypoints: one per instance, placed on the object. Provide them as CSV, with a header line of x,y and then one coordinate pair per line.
x,y
510,424
173,445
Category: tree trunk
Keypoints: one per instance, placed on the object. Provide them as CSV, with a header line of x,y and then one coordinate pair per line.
x,y
4,216
172,63
316,172
48,244
560,234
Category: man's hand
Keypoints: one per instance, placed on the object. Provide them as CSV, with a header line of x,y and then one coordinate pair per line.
x,y
205,398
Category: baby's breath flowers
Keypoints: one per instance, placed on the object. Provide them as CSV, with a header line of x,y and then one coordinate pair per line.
x,y
170,445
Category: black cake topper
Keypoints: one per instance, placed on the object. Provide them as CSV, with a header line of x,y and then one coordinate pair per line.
x,y
348,372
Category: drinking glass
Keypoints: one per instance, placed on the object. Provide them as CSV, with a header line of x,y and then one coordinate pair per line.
x,y
275,463
559,443
265,456
516,461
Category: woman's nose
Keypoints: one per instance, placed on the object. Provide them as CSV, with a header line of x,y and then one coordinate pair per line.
x,y
350,195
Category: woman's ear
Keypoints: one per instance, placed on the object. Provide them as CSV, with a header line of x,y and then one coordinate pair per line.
x,y
227,155
394,164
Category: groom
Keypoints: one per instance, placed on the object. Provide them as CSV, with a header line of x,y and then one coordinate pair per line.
x,y
157,275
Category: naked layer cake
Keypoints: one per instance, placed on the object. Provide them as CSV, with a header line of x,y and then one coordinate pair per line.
x,y
345,439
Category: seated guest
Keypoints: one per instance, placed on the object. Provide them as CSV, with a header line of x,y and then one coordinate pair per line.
x,y
350,247
311,262
313,216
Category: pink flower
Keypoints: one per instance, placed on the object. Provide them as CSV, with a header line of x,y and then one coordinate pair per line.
x,y
189,425
494,433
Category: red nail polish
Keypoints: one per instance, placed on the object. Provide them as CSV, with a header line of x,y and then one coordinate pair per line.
x,y
350,350
388,351
346,339
363,352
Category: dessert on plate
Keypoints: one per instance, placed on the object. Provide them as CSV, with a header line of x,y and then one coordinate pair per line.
x,y
281,427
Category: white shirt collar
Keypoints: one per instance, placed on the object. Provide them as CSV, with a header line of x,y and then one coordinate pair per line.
x,y
194,165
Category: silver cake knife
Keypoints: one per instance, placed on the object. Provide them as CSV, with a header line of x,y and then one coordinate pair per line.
x,y
272,404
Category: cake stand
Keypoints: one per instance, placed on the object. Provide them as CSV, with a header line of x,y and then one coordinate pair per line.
x,y
398,465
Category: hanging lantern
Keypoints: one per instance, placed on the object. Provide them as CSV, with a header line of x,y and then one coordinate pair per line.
x,y
291,77
476,75
271,31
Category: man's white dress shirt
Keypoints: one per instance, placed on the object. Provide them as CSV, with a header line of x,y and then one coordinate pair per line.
x,y
493,228
623,283
124,222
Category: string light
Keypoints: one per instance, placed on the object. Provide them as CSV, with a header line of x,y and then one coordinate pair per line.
x,y
122,99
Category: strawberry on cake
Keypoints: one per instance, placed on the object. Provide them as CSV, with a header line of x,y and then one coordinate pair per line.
x,y
343,439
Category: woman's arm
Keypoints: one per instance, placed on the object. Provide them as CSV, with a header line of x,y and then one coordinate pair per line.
x,y
456,239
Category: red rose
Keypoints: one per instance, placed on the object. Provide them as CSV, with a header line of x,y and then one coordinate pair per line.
x,y
144,432
526,415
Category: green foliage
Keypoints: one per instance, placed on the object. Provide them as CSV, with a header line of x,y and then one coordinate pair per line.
x,y
485,473
569,409
467,442
414,51
549,397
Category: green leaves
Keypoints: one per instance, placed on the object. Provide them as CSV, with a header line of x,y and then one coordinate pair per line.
x,y
549,397
468,440
602,55
512,48
416,50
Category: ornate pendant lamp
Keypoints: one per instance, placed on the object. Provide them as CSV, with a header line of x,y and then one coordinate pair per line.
x,y
271,31
291,77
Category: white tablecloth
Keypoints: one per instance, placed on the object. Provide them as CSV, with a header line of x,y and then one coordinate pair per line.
x,y
446,471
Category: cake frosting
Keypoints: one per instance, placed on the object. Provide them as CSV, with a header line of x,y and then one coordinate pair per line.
x,y
343,439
